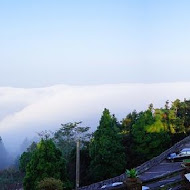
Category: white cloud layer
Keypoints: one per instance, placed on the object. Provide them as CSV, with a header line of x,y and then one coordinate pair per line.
x,y
27,111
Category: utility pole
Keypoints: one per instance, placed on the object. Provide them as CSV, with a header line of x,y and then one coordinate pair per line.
x,y
77,164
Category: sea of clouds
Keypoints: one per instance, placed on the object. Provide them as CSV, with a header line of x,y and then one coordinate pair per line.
x,y
24,112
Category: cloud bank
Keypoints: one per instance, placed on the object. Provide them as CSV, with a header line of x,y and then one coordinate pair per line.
x,y
27,111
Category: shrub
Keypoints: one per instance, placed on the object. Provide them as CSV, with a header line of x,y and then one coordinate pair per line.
x,y
50,184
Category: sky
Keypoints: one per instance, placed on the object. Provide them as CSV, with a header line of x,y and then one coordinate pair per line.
x,y
66,60
43,43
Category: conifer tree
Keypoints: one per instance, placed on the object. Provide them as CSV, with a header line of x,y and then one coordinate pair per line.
x,y
26,157
106,149
46,162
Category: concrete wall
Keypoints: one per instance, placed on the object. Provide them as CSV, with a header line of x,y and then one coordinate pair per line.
x,y
142,168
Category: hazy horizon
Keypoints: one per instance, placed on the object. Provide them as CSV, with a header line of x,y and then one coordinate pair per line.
x,y
66,61
28,111
122,55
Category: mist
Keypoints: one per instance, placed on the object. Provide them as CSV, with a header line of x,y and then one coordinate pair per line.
x,y
24,112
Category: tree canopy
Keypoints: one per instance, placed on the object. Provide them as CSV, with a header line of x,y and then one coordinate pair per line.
x,y
106,149
46,162
113,147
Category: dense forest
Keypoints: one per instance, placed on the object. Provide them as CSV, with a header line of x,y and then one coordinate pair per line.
x,y
105,153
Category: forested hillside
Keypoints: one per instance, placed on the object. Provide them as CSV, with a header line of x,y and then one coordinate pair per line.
x,y
108,151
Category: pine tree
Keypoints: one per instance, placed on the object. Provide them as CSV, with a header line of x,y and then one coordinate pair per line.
x,y
46,162
106,149
26,157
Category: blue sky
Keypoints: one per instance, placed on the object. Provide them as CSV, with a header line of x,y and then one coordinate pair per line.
x,y
83,45
44,43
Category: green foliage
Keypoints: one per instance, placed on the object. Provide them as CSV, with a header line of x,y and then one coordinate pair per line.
x,y
84,166
26,157
186,161
50,184
155,130
106,149
149,138
128,122
131,173
113,146
65,138
10,177
183,113
46,162
24,160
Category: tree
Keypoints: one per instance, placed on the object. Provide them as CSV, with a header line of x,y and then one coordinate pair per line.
x,y
84,166
183,112
26,157
149,137
127,125
66,137
106,149
3,155
46,162
151,107
128,122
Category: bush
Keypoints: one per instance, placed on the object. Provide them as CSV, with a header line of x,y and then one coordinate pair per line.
x,y
50,184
